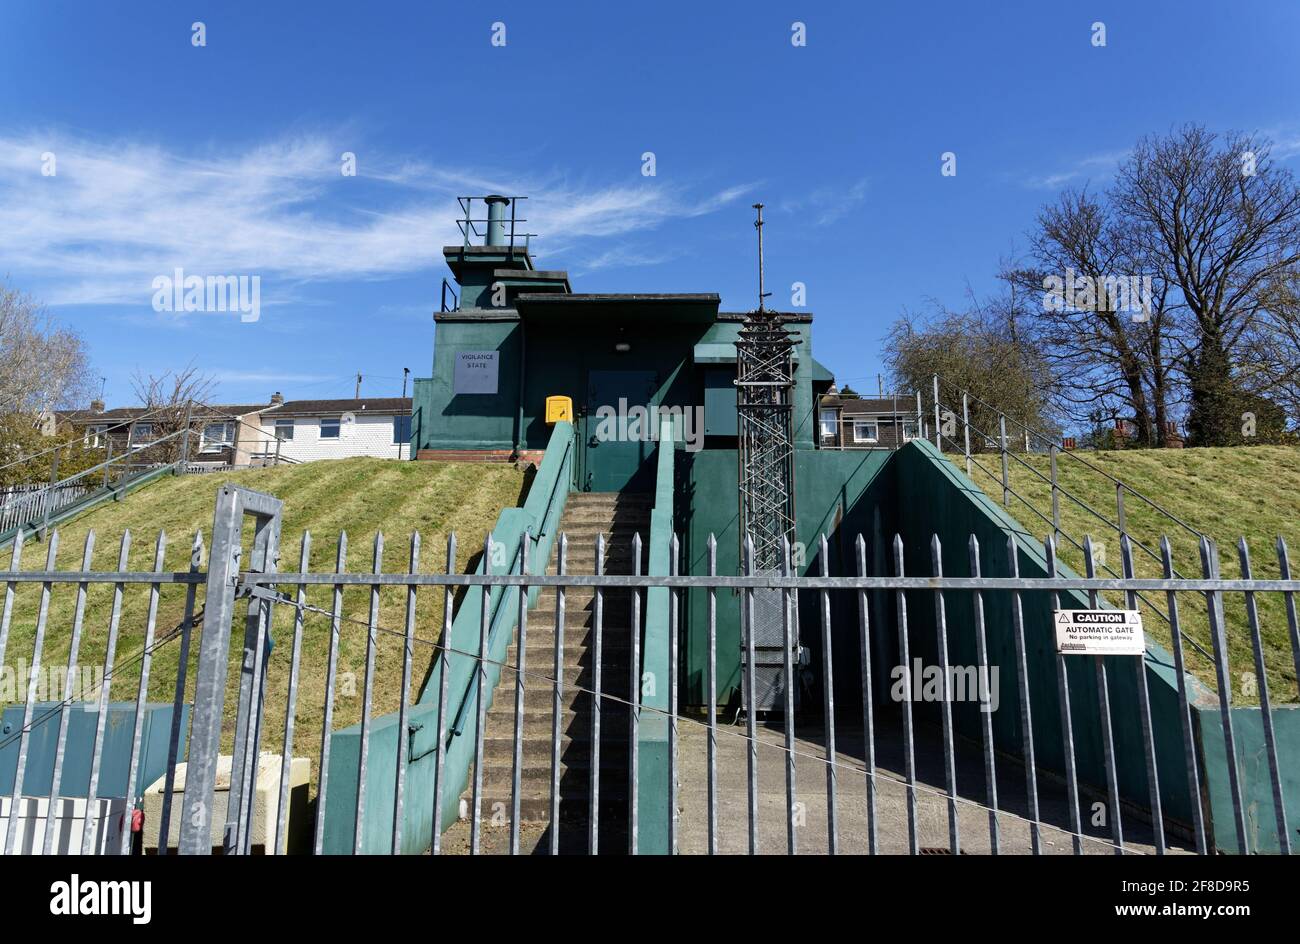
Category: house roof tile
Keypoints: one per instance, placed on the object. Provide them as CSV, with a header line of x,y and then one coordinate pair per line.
x,y
393,405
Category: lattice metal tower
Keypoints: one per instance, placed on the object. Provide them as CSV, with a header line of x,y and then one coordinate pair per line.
x,y
764,387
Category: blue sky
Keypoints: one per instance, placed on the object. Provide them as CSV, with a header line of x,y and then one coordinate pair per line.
x,y
225,159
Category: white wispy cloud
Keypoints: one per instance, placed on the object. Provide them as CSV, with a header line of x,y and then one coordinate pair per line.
x,y
118,213
267,376
1094,167
828,205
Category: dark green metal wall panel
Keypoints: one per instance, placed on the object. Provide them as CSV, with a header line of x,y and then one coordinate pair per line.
x,y
720,418
472,420
936,498
836,494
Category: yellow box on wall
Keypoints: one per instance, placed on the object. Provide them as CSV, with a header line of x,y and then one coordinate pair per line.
x,y
559,409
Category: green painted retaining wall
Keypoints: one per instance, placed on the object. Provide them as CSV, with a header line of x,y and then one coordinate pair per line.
x,y
1257,787
934,497
653,797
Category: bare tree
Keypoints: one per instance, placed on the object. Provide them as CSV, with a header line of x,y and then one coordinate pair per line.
x,y
980,350
1270,356
1104,325
1223,226
42,366
173,399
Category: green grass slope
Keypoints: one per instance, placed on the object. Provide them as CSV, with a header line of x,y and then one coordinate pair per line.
x,y
360,496
1229,493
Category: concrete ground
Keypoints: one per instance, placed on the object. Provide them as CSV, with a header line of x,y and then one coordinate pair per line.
x,y
851,789
891,797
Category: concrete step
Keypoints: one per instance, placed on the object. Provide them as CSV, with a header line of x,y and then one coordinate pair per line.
x,y
576,725
583,562
538,695
581,598
579,614
535,772
496,785
537,746
541,635
573,657
606,499
576,674
574,809
621,527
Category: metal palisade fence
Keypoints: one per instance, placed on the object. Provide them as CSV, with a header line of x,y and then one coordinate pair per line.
x,y
1047,752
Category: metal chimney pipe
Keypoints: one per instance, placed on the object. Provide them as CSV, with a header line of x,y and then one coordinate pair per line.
x,y
496,227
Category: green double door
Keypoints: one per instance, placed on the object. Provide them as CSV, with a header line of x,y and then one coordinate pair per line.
x,y
617,453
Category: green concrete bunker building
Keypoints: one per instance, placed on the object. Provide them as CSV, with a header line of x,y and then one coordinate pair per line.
x,y
514,336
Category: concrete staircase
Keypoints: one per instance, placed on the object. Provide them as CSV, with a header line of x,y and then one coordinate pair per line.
x,y
586,515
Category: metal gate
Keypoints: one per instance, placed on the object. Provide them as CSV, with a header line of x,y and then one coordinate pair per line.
x,y
898,774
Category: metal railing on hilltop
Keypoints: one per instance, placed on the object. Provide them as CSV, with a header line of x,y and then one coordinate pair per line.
x,y
1031,437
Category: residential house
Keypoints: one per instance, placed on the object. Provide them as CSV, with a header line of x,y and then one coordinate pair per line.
x,y
861,423
224,433
305,430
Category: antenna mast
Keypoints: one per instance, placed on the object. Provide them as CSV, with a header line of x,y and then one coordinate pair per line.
x,y
764,393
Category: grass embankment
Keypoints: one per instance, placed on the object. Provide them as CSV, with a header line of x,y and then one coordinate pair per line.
x,y
359,496
1224,493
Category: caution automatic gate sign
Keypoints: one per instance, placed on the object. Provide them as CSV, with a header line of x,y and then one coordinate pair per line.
x,y
1099,632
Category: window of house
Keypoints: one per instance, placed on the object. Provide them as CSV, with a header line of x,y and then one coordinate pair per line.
x,y
867,431
401,429
284,429
329,427
92,436
909,431
828,423
141,433
217,436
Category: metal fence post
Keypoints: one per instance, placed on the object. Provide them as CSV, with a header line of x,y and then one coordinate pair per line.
x,y
1002,445
1119,508
210,679
185,441
214,653
252,692
965,423
1056,498
49,495
938,432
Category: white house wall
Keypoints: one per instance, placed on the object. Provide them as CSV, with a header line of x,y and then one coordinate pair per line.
x,y
365,436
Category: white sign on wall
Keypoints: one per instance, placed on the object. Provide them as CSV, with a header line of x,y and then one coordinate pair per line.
x,y
1099,632
476,372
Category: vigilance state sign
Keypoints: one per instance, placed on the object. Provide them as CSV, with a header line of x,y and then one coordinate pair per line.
x,y
476,372
1099,632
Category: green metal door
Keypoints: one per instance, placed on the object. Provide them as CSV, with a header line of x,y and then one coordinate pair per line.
x,y
618,440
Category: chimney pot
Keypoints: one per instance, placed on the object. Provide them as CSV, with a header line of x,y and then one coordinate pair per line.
x,y
277,398
496,227
97,406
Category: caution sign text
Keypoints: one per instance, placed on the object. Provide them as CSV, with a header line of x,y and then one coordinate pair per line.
x,y
1099,632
